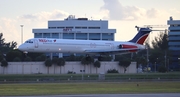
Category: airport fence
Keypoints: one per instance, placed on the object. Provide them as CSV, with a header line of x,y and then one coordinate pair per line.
x,y
38,78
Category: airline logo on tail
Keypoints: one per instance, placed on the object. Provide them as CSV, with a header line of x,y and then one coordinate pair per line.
x,y
141,35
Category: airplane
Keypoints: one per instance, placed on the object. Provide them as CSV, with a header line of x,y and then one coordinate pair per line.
x,y
101,47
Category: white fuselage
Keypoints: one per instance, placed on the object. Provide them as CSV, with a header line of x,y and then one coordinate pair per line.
x,y
72,46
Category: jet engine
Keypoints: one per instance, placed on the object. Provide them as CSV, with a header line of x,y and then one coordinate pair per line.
x,y
120,46
127,46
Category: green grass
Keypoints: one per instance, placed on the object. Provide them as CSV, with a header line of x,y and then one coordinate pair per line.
x,y
88,88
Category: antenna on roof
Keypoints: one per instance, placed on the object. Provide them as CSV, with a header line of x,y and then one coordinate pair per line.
x,y
171,18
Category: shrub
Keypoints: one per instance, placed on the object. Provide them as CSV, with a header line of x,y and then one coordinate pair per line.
x,y
71,72
4,63
112,71
16,59
162,69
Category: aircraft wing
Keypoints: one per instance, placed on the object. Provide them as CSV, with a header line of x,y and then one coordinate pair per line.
x,y
116,51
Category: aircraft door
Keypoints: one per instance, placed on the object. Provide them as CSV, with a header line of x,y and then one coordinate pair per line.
x,y
35,43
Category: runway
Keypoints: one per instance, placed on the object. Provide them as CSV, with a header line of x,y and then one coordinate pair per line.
x,y
110,95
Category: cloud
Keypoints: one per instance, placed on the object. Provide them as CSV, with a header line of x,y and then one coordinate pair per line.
x,y
175,10
103,14
9,29
152,13
44,16
116,11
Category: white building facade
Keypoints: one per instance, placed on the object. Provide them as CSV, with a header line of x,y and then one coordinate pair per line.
x,y
76,28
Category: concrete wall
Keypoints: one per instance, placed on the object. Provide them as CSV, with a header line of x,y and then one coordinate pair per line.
x,y
39,67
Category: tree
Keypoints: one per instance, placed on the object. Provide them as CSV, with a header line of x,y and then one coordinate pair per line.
x,y
71,58
54,60
16,59
105,58
60,62
124,63
86,61
48,63
162,69
1,57
97,64
1,40
10,56
141,60
4,64
6,47
33,56
27,59
41,58
159,49
79,58
161,41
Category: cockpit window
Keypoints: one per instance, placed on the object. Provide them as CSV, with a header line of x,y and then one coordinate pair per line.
x,y
29,41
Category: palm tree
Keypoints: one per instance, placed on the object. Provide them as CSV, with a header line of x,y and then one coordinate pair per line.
x,y
4,64
48,63
97,64
86,61
54,61
124,63
60,62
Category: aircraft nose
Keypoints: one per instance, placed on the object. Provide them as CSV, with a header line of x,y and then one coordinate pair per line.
x,y
22,48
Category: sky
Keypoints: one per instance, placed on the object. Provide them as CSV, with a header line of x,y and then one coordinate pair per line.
x,y
122,15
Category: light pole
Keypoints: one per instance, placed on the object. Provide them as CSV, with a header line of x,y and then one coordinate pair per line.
x,y
21,33
156,64
155,67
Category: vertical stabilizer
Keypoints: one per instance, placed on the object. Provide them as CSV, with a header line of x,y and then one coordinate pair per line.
x,y
141,35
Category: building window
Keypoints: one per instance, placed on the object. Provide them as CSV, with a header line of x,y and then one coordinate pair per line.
x,y
77,27
174,31
46,35
70,27
174,40
84,27
37,35
80,27
175,25
55,35
94,36
68,35
93,27
60,27
52,27
174,35
107,36
82,36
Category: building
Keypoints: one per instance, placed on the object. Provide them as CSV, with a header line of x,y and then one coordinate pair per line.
x,y
174,42
76,28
